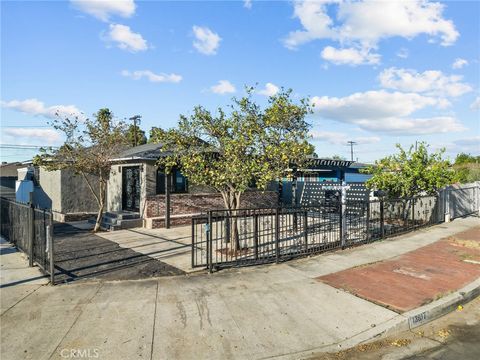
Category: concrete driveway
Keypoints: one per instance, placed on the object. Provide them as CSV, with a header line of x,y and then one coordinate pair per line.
x,y
170,246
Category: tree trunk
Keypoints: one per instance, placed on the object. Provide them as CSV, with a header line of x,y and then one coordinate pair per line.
x,y
232,204
99,218
101,205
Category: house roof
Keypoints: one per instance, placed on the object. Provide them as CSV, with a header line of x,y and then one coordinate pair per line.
x,y
10,169
142,152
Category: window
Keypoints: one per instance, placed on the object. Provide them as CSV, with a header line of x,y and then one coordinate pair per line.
x,y
178,182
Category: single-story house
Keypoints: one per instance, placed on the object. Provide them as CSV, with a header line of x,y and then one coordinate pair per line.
x,y
319,174
139,189
8,178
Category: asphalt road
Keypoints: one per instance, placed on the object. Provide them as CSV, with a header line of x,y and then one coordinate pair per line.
x,y
452,337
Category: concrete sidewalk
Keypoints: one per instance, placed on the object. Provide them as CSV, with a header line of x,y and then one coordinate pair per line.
x,y
251,313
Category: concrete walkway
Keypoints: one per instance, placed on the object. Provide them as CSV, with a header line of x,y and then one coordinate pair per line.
x,y
251,313
170,246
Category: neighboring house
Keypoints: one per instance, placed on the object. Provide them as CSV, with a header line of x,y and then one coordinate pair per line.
x,y
62,191
8,177
311,181
137,187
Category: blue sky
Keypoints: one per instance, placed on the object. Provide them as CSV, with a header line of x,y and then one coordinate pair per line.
x,y
379,73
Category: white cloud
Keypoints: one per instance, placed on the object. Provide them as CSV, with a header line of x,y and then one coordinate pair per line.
x,y
412,126
475,105
269,90
152,77
403,53
206,41
126,39
475,140
459,63
223,87
337,138
31,136
362,24
372,105
37,108
247,4
104,9
430,82
386,112
349,56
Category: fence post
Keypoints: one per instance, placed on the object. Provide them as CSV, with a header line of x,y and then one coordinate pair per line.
x,y
382,220
209,242
305,229
447,205
193,242
50,254
31,233
343,223
413,212
277,235
368,221
255,235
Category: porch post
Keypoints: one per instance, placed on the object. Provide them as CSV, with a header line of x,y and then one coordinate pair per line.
x,y
167,200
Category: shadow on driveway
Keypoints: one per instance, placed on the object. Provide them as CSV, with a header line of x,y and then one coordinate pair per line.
x,y
80,254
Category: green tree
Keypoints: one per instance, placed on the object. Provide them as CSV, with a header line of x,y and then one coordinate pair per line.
x,y
87,151
246,144
411,173
135,135
467,167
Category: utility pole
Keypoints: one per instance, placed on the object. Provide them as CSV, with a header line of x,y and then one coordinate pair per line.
x,y
351,143
135,119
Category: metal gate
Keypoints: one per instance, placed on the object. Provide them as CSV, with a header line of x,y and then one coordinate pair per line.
x,y
463,201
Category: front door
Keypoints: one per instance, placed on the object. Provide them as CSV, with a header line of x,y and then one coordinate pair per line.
x,y
131,188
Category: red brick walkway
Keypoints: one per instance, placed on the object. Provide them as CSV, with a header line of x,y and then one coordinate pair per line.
x,y
415,278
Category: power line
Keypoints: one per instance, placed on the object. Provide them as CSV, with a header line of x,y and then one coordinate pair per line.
x,y
25,147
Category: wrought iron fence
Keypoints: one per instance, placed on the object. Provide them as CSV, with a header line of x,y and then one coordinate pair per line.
x,y
223,238
30,229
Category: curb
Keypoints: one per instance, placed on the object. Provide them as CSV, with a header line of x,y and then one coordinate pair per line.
x,y
402,322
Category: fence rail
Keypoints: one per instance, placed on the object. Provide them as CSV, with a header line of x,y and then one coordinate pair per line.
x,y
223,238
30,229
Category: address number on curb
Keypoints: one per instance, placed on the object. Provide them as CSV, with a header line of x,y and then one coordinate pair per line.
x,y
418,319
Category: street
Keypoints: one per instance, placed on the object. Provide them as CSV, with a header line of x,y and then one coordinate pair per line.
x,y
452,337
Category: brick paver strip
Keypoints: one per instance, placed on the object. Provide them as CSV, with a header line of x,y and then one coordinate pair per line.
x,y
415,278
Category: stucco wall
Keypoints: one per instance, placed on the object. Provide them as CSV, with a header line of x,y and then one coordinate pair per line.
x,y
147,185
49,193
76,196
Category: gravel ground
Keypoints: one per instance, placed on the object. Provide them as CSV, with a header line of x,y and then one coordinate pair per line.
x,y
80,254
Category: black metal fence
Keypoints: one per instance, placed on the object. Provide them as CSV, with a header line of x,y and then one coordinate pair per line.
x,y
223,238
30,229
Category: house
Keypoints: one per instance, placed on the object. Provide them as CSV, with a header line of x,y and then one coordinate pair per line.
x,y
8,178
311,182
138,192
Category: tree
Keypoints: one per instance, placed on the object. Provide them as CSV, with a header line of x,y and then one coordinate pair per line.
x,y
467,168
246,144
135,135
87,151
141,139
411,173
